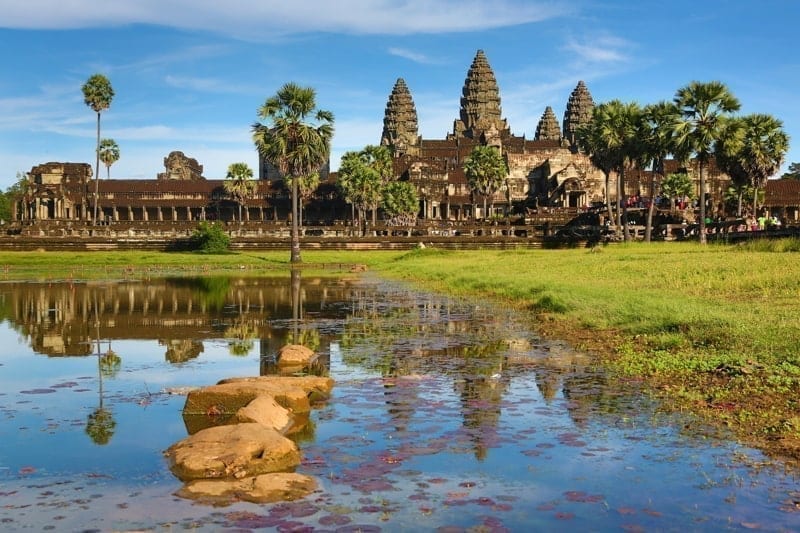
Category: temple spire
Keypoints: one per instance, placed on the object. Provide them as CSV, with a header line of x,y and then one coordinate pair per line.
x,y
480,102
400,127
578,111
548,129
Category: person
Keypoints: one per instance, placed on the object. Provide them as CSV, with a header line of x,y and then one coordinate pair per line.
x,y
762,223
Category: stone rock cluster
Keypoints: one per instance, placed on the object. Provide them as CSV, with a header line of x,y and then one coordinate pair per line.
x,y
238,447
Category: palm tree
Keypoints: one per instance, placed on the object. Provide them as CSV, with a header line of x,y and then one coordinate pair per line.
x,y
656,137
486,171
239,183
703,107
614,137
305,188
109,154
293,144
590,139
97,94
759,149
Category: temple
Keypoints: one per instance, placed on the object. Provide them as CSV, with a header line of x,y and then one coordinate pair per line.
x,y
546,172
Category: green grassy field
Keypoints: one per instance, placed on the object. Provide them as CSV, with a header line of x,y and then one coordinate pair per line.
x,y
714,329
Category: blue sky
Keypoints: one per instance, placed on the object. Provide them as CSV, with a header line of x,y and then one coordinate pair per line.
x,y
190,75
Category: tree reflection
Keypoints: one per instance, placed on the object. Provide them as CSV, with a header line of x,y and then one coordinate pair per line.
x,y
100,424
241,336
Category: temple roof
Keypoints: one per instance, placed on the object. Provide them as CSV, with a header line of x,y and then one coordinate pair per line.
x,y
400,127
578,111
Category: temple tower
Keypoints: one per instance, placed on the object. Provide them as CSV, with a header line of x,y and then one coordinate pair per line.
x,y
400,127
480,103
579,111
548,128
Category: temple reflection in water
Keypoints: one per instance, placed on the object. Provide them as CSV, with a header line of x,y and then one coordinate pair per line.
x,y
69,319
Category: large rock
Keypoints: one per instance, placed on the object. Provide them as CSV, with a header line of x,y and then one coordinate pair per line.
x,y
265,410
225,398
295,355
232,451
266,488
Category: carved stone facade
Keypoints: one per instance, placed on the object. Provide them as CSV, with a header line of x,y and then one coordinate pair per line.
x,y
400,127
543,171
180,167
547,129
579,111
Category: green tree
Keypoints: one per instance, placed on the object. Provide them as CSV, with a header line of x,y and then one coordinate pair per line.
x,y
239,184
360,182
792,173
703,107
656,143
109,154
211,238
97,94
400,201
591,141
305,188
755,147
677,185
296,140
486,172
613,136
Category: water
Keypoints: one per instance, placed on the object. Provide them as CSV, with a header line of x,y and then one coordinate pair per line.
x,y
446,415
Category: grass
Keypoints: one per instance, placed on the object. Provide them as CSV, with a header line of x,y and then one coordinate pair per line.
x,y
714,329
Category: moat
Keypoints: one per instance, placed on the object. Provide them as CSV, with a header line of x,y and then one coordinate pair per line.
x,y
446,415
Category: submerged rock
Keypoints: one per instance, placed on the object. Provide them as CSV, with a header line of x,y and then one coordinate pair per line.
x,y
295,355
232,451
228,396
266,488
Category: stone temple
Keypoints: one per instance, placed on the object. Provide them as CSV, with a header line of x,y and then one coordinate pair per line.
x,y
547,170
546,173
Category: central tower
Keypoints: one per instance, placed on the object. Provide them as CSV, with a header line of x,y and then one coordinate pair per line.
x,y
480,104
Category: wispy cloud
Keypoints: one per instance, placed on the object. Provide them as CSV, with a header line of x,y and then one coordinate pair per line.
x,y
416,57
268,18
602,49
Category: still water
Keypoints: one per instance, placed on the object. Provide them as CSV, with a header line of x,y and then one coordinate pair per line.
x,y
446,415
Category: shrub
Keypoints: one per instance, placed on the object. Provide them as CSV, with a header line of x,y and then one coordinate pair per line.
x,y
211,238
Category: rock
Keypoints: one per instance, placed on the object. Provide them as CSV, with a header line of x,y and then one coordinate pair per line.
x,y
265,488
225,398
232,451
295,355
265,410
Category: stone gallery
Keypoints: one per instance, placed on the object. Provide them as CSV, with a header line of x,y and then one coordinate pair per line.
x,y
546,171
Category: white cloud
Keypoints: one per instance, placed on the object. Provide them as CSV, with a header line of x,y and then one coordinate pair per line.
x,y
602,49
412,56
268,18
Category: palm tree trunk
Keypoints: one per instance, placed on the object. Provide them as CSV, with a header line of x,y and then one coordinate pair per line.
x,y
648,230
702,204
97,171
295,256
608,197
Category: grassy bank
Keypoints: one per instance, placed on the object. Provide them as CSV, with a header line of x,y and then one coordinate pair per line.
x,y
713,329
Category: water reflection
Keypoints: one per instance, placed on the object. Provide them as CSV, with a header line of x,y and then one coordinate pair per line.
x,y
445,414
73,319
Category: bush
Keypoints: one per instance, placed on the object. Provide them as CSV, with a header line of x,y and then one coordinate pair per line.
x,y
211,238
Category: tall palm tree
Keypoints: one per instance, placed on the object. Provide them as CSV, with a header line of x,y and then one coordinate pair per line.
x,y
486,171
239,183
590,139
763,147
305,188
97,94
291,142
109,154
703,107
657,142
615,131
